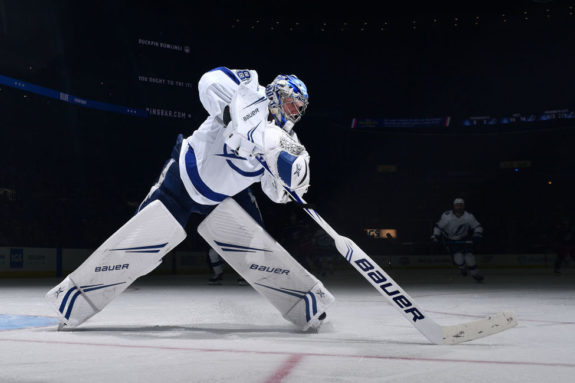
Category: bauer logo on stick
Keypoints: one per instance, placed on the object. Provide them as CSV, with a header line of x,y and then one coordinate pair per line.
x,y
400,300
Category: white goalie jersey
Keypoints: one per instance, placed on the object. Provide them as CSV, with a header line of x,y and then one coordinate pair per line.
x,y
219,159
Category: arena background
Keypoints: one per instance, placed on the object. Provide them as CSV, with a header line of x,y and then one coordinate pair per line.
x,y
410,107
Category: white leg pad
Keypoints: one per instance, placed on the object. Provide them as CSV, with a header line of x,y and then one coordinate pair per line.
x,y
134,250
265,265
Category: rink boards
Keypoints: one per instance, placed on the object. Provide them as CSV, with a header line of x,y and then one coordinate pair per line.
x,y
33,261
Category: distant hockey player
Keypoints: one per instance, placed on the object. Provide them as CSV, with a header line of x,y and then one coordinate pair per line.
x,y
248,126
460,231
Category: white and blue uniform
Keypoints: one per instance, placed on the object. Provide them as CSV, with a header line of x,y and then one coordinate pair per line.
x,y
209,169
203,170
457,231
456,228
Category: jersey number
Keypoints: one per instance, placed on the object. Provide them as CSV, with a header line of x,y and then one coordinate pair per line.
x,y
243,75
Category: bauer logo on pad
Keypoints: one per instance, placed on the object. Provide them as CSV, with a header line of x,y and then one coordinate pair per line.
x,y
269,269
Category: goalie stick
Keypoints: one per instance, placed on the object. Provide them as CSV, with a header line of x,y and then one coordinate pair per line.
x,y
397,297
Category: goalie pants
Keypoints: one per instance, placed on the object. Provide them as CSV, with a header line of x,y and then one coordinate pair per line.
x,y
170,190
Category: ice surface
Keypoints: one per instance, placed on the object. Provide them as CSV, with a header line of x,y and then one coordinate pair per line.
x,y
179,329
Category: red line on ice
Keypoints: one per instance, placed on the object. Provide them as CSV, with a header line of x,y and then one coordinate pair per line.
x,y
285,368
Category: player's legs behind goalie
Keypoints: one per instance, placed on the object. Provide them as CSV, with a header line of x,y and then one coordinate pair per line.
x,y
138,247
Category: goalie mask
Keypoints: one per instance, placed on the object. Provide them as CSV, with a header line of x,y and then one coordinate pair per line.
x,y
288,100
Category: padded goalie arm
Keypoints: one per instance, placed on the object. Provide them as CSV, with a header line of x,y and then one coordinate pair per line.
x,y
248,113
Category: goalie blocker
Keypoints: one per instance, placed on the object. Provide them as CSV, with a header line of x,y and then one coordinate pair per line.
x,y
299,296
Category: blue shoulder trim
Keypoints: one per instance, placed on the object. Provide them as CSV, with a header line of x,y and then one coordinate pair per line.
x,y
228,72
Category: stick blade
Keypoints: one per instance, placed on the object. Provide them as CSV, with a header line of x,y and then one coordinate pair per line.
x,y
478,329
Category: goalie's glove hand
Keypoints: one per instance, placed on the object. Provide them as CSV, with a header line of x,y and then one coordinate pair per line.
x,y
287,159
291,171
435,239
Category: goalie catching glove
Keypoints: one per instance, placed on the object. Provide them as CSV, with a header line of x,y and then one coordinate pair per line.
x,y
287,159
